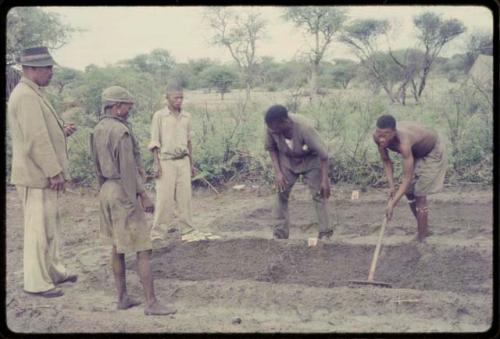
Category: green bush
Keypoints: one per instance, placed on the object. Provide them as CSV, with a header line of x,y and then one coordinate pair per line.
x,y
228,141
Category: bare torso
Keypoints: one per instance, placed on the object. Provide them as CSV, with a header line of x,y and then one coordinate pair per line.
x,y
421,139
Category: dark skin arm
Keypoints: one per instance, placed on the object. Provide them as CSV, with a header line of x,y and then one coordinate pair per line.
x,y
57,182
146,202
190,155
69,128
156,163
386,160
408,160
281,181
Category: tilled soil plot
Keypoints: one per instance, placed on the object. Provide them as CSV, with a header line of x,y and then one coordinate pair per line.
x,y
248,282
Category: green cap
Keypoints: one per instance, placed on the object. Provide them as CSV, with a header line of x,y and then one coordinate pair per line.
x,y
117,94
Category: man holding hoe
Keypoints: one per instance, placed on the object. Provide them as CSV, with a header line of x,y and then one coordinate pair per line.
x,y
424,165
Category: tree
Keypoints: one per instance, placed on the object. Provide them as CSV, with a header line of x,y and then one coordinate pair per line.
x,y
343,72
322,23
181,75
64,76
479,42
361,36
195,67
12,77
434,33
220,77
158,63
271,74
31,27
409,62
239,34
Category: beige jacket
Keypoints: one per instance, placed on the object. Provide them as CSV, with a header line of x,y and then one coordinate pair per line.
x,y
38,139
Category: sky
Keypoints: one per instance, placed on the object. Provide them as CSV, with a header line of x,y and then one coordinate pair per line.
x,y
112,34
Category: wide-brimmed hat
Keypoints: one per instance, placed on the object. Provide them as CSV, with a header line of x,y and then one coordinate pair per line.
x,y
36,57
117,94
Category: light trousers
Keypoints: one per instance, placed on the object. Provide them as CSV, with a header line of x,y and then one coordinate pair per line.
x,y
41,258
173,197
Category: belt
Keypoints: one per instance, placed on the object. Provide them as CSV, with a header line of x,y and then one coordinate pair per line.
x,y
173,157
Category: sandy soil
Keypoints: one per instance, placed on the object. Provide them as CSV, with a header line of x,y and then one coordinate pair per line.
x,y
248,282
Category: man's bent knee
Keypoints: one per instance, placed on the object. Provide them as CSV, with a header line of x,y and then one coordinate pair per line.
x,y
422,209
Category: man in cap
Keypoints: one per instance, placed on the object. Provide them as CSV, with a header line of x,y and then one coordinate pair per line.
x,y
39,171
122,197
296,149
424,165
173,167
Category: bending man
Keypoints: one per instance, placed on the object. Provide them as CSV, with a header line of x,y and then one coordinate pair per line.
x,y
296,149
424,165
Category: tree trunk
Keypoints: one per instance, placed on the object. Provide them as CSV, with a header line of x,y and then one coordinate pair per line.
x,y
414,90
313,81
248,89
425,72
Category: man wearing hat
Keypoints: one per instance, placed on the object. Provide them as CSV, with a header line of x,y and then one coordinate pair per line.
x,y
122,197
39,171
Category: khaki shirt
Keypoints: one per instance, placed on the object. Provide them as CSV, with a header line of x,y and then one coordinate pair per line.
x,y
113,150
38,139
170,133
307,146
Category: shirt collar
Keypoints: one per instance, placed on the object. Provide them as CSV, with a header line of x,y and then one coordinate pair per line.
x,y
31,84
169,112
110,116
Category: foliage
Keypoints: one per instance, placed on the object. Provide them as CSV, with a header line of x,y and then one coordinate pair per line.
x,y
469,129
322,23
362,36
228,134
219,77
478,42
343,72
31,27
239,34
434,33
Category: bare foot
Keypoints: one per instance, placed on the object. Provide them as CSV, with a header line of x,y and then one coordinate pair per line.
x,y
127,302
422,237
157,309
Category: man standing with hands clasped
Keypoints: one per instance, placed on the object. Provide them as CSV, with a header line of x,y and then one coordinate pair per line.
x,y
173,167
122,197
39,171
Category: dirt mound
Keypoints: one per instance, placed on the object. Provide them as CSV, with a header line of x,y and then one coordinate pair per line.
x,y
248,282
411,266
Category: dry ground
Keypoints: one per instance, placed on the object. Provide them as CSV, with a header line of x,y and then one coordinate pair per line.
x,y
442,285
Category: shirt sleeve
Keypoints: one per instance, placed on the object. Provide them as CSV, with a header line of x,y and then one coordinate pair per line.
x,y
314,142
270,143
37,142
97,166
155,132
189,130
128,169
